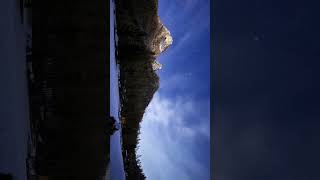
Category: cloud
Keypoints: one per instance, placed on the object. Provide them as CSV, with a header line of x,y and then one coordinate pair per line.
x,y
176,81
167,145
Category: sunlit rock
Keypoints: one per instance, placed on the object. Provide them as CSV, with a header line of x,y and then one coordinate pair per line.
x,y
156,65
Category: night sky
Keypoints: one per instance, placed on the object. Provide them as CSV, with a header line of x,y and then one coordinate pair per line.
x,y
266,100
175,131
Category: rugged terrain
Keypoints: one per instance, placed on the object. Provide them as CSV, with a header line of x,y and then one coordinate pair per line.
x,y
68,90
141,39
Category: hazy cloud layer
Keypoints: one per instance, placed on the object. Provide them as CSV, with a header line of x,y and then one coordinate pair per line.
x,y
168,141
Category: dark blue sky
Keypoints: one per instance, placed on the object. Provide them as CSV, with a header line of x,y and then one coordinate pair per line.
x,y
175,132
266,90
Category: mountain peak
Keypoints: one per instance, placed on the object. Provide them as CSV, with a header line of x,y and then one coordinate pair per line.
x,y
166,39
162,39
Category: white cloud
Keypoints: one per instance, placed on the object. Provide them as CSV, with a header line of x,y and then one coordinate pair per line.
x,y
167,139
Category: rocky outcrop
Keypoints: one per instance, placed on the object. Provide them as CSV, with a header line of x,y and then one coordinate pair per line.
x,y
141,39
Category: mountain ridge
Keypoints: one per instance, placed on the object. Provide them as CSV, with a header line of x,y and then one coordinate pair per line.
x,y
142,37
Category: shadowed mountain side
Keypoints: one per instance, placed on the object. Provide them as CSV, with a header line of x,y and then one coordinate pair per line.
x,y
69,90
141,38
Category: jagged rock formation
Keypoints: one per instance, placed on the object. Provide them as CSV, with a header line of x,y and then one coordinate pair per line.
x,y
156,65
141,39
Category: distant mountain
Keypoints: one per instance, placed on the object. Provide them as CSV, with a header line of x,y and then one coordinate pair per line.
x,y
141,39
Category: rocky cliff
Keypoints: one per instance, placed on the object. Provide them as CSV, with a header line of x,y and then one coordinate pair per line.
x,y
141,39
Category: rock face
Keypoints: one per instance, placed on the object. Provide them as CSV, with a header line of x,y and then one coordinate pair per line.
x,y
141,39
162,40
139,25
